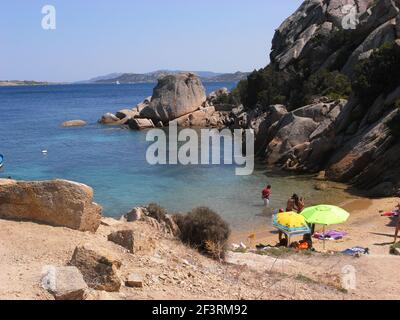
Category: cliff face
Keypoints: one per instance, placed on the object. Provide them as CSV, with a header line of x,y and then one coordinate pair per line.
x,y
354,140
309,33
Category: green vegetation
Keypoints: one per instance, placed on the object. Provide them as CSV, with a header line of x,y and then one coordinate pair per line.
x,y
205,230
268,86
332,84
297,85
378,74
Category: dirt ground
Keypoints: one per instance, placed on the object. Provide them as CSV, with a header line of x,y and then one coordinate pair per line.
x,y
174,271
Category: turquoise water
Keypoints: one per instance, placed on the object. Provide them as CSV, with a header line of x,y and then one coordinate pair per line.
x,y
112,160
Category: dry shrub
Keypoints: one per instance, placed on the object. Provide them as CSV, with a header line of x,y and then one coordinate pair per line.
x,y
157,212
205,230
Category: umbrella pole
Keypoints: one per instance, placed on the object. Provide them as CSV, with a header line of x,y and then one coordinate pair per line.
x,y
324,236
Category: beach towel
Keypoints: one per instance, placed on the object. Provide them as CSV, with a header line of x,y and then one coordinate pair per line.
x,y
330,235
356,251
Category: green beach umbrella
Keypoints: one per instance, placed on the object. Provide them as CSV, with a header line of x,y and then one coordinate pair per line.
x,y
325,215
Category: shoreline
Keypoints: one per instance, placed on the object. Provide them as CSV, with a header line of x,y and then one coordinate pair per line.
x,y
365,227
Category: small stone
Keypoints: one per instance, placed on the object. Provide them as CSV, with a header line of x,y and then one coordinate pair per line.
x,y
134,215
134,281
124,238
74,123
110,222
64,283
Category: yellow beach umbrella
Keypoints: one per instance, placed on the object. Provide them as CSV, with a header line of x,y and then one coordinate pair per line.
x,y
291,220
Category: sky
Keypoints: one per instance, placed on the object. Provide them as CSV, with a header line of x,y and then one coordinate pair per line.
x,y
94,38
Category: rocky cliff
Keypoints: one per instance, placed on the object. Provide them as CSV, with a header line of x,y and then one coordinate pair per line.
x,y
335,73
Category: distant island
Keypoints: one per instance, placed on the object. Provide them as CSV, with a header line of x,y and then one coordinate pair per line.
x,y
12,83
152,77
131,78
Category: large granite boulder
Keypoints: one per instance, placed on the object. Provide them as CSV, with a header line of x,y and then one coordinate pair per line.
x,y
57,203
175,96
310,29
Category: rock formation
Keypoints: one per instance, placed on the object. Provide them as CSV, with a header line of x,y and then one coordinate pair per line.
x,y
57,203
181,98
353,140
175,96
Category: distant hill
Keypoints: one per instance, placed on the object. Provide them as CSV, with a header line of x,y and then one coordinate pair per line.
x,y
152,77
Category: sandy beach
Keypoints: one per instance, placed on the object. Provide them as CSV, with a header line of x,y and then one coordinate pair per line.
x,y
365,227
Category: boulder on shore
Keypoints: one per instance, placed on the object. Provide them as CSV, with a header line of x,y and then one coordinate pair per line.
x,y
175,96
109,119
140,124
98,266
74,123
58,203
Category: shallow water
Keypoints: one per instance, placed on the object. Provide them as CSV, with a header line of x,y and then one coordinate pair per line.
x,y
112,160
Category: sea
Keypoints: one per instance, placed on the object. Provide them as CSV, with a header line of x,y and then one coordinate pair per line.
x,y
112,160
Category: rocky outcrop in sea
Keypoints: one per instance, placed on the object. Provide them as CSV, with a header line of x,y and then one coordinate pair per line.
x,y
181,98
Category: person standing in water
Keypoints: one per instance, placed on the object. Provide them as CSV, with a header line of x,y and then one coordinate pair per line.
x,y
266,195
295,204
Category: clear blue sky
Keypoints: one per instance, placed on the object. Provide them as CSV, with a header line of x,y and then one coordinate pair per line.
x,y
103,36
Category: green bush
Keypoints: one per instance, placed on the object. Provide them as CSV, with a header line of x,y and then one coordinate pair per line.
x,y
205,230
334,85
267,87
378,74
223,99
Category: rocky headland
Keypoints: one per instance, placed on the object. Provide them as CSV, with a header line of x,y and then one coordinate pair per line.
x,y
327,103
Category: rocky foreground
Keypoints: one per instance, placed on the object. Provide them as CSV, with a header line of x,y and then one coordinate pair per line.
x,y
56,246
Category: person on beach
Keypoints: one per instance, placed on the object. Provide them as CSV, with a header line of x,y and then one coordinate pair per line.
x,y
266,194
292,203
295,204
301,205
282,242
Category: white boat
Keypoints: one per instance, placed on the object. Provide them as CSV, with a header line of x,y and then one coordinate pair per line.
x,y
117,82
